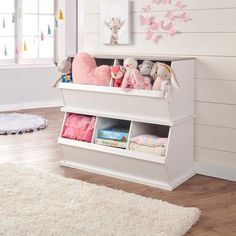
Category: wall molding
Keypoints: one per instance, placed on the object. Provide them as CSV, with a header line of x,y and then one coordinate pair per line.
x,y
217,170
33,105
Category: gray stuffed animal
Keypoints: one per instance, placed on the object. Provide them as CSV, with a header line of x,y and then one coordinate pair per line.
x,y
145,68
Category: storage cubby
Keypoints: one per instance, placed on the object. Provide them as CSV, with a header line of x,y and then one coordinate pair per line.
x,y
142,112
78,127
108,124
145,129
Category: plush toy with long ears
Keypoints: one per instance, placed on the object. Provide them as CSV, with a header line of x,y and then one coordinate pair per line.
x,y
133,78
117,74
146,67
163,76
64,67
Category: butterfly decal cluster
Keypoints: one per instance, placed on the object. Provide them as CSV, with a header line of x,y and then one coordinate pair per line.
x,y
156,29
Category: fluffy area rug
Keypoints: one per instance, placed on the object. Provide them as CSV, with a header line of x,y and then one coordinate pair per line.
x,y
37,203
16,123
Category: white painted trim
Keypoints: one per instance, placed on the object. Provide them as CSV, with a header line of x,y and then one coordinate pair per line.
x,y
80,27
33,105
117,175
182,179
26,66
217,170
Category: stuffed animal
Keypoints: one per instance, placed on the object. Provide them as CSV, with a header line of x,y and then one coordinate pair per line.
x,y
117,74
64,67
133,78
86,71
145,68
164,76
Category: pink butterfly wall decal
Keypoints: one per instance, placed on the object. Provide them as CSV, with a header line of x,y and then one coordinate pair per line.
x,y
155,38
149,35
146,8
167,27
155,25
170,15
158,2
184,17
146,20
166,1
172,32
179,4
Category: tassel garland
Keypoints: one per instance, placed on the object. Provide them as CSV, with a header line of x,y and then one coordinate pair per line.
x,y
55,22
61,16
49,30
42,36
3,23
5,51
16,51
13,18
25,46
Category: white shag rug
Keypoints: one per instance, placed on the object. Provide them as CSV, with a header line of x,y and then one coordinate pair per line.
x,y
37,203
16,123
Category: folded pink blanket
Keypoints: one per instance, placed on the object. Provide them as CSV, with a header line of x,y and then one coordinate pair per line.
x,y
79,127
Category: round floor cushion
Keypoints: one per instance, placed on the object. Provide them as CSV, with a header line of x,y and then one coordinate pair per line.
x,y
16,123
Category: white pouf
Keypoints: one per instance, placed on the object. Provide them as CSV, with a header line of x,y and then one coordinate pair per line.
x,y
15,123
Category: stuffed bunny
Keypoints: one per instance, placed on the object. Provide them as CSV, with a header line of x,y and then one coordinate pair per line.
x,y
164,76
145,68
133,78
117,74
64,67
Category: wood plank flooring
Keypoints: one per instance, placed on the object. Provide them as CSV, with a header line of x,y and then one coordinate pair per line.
x,y
216,198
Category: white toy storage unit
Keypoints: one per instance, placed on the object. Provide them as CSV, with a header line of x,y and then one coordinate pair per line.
x,y
144,112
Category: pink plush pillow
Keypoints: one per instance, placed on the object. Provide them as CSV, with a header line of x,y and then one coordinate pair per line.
x,y
149,140
85,71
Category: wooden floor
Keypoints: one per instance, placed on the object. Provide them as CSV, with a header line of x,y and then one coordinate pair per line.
x,y
216,198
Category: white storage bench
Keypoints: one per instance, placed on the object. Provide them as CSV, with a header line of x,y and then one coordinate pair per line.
x,y
143,112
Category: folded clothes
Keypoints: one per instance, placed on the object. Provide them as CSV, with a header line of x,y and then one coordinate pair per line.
x,y
149,140
159,150
111,143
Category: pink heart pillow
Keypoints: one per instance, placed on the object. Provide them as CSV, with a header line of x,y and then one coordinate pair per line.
x,y
86,71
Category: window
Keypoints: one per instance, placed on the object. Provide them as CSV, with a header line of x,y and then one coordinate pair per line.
x,y
27,31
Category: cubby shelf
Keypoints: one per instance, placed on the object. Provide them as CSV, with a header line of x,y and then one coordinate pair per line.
x,y
145,112
115,151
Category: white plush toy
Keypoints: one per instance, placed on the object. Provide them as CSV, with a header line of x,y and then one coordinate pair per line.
x,y
133,78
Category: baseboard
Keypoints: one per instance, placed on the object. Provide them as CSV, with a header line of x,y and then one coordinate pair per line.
x,y
217,170
33,105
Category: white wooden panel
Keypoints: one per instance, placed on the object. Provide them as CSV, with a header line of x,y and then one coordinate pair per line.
x,y
216,67
182,44
202,21
217,138
208,155
216,114
92,6
217,91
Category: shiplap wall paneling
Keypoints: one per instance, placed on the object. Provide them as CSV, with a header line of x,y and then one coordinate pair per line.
x,y
210,37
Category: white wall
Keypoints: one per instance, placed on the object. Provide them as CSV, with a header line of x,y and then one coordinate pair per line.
x,y
32,87
27,88
210,37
